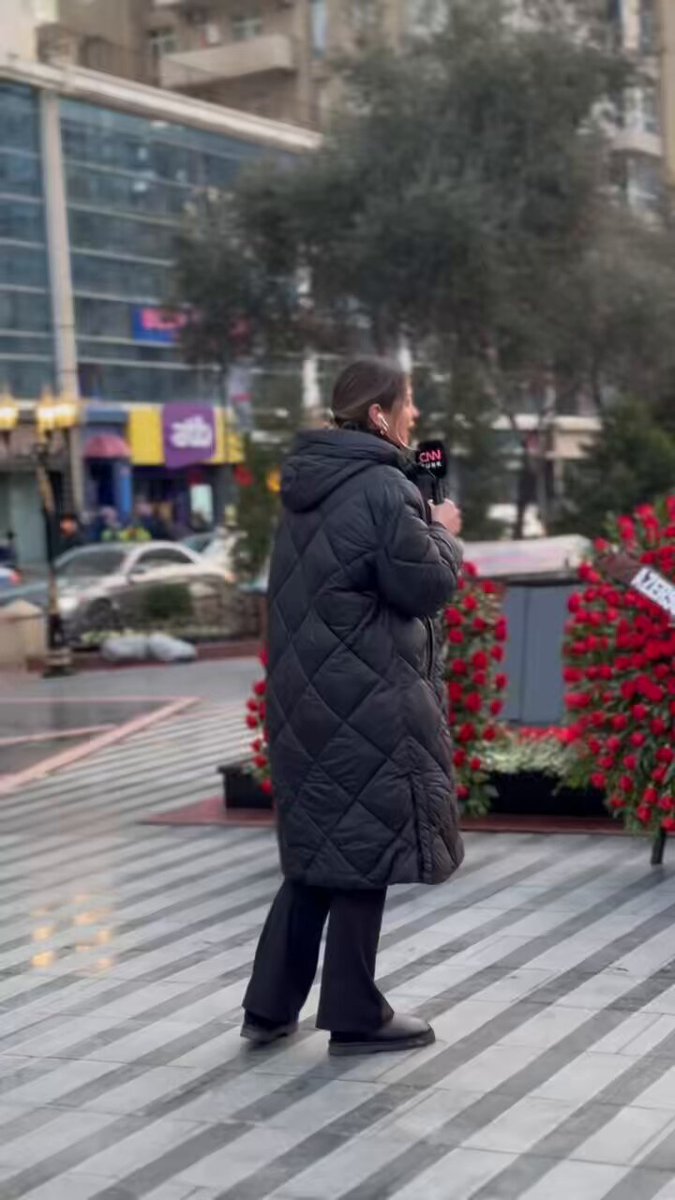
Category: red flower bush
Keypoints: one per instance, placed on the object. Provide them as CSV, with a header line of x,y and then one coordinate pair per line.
x,y
620,676
476,630
255,719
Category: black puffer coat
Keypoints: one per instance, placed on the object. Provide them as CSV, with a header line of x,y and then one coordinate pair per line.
x,y
360,751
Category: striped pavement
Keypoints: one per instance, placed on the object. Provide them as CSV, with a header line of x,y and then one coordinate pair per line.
x,y
547,967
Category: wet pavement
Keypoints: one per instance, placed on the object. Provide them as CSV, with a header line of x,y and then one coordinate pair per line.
x,y
42,718
547,967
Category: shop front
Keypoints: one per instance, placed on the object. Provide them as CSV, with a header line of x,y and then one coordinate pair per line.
x,y
107,460
182,457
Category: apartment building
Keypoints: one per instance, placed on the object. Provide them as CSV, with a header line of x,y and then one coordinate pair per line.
x,y
265,56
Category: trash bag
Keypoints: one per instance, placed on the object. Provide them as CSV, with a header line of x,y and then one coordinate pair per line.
x,y
163,648
128,647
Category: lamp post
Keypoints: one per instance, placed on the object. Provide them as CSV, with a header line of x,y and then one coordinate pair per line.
x,y
52,415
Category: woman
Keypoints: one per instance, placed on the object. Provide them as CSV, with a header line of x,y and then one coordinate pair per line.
x,y
360,751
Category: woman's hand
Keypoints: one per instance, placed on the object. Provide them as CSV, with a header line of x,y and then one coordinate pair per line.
x,y
448,515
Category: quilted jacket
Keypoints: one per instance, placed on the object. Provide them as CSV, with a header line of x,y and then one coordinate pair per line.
x,y
360,752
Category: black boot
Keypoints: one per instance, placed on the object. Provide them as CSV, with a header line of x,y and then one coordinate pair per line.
x,y
399,1033
264,1033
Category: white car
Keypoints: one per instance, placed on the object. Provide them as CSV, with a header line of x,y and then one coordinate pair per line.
x,y
101,587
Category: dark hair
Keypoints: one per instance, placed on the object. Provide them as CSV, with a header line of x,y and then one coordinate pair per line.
x,y
365,382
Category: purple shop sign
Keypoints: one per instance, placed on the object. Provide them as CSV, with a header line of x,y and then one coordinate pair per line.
x,y
189,432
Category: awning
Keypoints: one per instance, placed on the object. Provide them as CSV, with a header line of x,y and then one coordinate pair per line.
x,y
107,445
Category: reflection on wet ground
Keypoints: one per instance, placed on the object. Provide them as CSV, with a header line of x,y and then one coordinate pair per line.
x,y
34,730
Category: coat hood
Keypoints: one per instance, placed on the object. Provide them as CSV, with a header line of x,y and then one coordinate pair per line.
x,y
323,459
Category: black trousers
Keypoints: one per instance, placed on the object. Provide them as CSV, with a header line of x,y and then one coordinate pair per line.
x,y
288,953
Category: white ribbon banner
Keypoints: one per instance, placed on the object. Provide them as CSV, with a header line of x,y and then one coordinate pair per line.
x,y
656,588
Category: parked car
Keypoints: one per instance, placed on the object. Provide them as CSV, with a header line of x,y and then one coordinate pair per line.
x,y
218,546
101,587
9,581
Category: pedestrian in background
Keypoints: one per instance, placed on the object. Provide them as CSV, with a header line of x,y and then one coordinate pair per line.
x,y
360,751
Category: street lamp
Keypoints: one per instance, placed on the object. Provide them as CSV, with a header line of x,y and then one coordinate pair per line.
x,y
52,415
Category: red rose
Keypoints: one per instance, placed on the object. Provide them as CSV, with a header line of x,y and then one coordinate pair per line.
x,y
659,726
490,734
260,761
476,763
459,666
453,616
473,702
266,786
480,661
501,629
599,780
470,604
665,755
252,722
456,637
459,758
455,693
257,746
489,588
260,688
667,804
462,792
480,679
630,762
479,625
496,707
253,706
644,814
466,733
626,783
638,739
617,802
501,682
620,721
640,712
497,653
668,825
650,796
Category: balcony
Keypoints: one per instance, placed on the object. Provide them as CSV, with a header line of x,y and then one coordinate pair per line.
x,y
273,53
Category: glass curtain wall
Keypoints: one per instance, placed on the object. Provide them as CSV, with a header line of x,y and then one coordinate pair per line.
x,y
26,342
129,180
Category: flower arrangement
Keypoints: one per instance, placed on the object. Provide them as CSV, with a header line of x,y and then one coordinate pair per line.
x,y
532,751
620,675
255,719
476,632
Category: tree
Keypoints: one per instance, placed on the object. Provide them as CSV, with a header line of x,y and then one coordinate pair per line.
x,y
631,463
460,202
456,191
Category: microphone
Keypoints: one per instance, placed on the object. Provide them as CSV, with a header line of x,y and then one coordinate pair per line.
x,y
432,464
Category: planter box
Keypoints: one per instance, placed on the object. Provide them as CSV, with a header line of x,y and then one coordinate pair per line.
x,y
242,791
535,794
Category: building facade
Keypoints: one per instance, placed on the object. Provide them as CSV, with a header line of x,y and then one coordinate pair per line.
x,y
95,176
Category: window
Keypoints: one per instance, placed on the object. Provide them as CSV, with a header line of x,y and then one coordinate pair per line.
x,y
90,564
161,42
646,185
246,27
153,560
319,27
365,14
426,17
649,110
648,27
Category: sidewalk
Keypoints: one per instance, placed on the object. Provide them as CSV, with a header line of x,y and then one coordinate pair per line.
x,y
546,967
